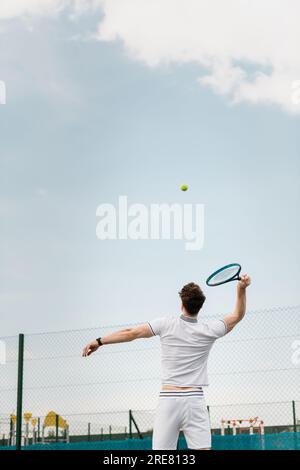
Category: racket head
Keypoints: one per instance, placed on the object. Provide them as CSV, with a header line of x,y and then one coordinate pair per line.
x,y
228,273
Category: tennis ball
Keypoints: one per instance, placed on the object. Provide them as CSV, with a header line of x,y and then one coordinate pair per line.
x,y
184,187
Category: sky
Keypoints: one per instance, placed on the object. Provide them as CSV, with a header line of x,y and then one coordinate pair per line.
x,y
106,98
100,103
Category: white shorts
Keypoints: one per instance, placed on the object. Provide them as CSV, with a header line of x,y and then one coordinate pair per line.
x,y
181,411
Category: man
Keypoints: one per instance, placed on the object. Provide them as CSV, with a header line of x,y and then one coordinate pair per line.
x,y
185,347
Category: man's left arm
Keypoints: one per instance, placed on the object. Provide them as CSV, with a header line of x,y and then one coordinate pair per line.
x,y
123,336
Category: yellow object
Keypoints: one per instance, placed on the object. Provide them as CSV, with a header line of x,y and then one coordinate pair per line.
x,y
34,422
27,416
184,187
50,420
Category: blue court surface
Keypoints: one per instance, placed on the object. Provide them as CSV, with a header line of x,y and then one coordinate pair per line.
x,y
280,441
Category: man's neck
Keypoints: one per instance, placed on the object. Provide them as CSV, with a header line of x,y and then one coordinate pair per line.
x,y
189,318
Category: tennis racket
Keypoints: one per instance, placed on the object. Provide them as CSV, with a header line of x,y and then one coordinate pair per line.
x,y
228,273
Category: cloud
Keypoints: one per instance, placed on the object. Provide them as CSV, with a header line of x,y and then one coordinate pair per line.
x,y
246,50
14,8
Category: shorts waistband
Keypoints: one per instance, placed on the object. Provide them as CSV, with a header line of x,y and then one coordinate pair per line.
x,y
182,393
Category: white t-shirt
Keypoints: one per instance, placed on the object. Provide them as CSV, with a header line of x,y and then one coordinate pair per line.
x,y
185,346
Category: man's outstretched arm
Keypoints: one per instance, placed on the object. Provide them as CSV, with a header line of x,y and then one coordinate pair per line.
x,y
122,336
240,307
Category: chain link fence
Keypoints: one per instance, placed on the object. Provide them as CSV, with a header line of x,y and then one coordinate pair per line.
x,y
110,397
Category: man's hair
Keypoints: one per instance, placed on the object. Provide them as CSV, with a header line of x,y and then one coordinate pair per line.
x,y
192,298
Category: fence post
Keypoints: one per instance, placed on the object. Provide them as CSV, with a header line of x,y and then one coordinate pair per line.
x,y
20,392
130,424
11,431
39,430
56,427
133,421
89,431
294,416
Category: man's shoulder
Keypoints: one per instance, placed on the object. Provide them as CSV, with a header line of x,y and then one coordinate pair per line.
x,y
213,327
162,324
